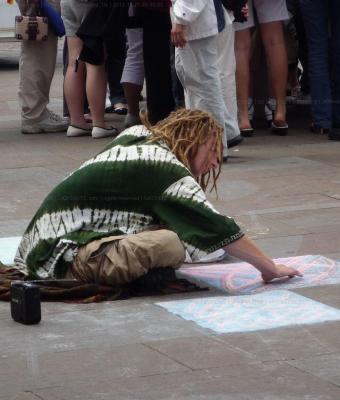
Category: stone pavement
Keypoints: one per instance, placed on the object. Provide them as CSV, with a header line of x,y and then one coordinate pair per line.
x,y
284,191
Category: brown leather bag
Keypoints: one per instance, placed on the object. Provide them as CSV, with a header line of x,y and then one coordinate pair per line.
x,y
32,26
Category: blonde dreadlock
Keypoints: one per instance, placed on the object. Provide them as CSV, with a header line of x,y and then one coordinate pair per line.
x,y
183,131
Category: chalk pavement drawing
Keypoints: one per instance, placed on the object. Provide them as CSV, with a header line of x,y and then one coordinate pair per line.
x,y
242,278
8,248
227,314
248,309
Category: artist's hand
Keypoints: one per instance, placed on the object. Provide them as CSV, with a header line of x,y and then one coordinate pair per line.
x,y
178,35
280,271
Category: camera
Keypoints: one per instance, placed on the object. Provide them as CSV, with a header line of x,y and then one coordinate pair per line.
x,y
25,303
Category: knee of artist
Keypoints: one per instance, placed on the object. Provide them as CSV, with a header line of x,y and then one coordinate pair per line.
x,y
169,249
160,248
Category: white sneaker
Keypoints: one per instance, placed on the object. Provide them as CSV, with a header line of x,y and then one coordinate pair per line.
x,y
51,123
75,131
251,108
269,110
131,120
98,132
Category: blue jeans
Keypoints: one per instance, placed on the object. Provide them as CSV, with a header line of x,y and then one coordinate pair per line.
x,y
324,59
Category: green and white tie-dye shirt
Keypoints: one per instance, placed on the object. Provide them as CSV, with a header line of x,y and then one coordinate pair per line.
x,y
126,188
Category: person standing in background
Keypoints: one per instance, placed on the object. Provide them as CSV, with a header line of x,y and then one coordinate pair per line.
x,y
154,18
36,69
270,15
321,17
195,33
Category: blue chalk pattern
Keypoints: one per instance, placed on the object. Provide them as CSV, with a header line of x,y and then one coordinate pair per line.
x,y
8,248
227,314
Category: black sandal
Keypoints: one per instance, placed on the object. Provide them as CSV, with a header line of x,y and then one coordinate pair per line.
x,y
247,132
118,108
279,128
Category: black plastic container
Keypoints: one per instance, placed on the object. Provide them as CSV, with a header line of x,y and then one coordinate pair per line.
x,y
25,303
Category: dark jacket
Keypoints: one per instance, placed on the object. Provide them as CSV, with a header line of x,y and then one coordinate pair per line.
x,y
105,22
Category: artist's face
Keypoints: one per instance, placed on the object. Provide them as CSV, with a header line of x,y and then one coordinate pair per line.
x,y
202,163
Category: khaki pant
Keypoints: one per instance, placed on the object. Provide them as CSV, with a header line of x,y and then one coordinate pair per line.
x,y
36,68
117,260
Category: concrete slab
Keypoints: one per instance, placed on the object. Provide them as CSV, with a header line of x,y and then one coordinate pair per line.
x,y
288,343
326,367
328,334
201,352
328,294
19,396
285,246
274,381
79,327
35,370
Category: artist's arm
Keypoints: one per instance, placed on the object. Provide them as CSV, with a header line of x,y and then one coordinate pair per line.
x,y
246,250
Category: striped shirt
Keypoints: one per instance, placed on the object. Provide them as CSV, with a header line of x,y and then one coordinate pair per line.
x,y
129,186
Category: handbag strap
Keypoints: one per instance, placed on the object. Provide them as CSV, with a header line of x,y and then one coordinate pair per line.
x,y
35,4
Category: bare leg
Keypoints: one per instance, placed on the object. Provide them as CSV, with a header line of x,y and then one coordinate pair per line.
x,y
132,92
242,53
275,47
96,82
74,84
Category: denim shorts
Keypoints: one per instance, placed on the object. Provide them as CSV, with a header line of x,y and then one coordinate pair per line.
x,y
266,11
73,13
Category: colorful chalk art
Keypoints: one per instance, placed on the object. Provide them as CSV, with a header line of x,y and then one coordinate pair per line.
x,y
8,247
248,304
242,278
245,303
226,314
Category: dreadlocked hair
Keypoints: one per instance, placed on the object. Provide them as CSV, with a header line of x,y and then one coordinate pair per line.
x,y
183,131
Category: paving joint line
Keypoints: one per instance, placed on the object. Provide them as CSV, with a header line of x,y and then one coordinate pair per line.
x,y
166,355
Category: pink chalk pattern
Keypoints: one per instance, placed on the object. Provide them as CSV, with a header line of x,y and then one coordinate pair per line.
x,y
242,278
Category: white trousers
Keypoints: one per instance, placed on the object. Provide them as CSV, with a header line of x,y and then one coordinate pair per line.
x,y
227,68
133,71
197,67
36,69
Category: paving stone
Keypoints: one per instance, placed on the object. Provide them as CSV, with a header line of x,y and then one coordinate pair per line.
x,y
328,334
325,219
285,246
13,227
108,324
32,370
270,381
327,294
289,343
20,396
326,367
22,176
282,246
200,352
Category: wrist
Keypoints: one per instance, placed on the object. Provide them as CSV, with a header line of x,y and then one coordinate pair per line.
x,y
265,265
